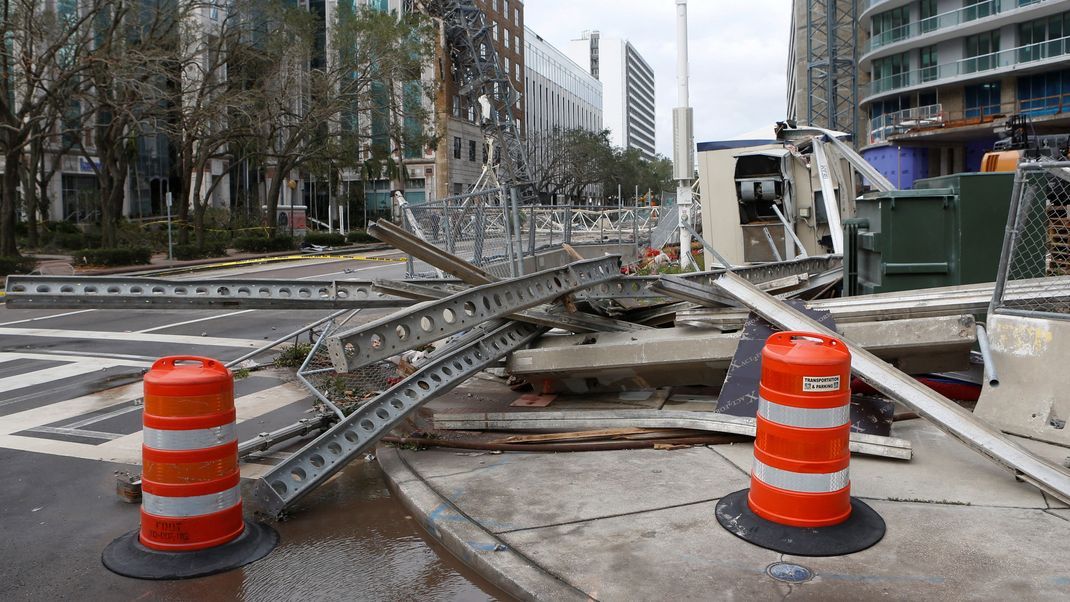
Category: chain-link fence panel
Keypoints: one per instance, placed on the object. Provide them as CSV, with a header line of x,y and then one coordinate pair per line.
x,y
473,227
347,390
1034,274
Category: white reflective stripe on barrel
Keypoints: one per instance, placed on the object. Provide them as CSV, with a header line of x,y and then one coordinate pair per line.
x,y
169,440
803,482
807,418
194,505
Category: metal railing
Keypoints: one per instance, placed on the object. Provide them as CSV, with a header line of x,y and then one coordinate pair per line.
x,y
1036,247
951,18
497,235
977,64
918,119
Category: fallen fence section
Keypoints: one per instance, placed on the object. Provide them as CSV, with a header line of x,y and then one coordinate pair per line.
x,y
316,462
861,443
898,386
433,320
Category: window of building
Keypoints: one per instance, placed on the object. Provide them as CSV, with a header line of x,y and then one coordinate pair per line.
x,y
456,147
976,9
471,150
1044,93
891,72
505,8
516,71
891,25
982,100
456,106
927,58
1043,38
507,44
926,11
981,51
494,31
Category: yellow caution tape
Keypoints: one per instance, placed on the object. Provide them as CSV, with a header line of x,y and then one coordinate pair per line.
x,y
259,260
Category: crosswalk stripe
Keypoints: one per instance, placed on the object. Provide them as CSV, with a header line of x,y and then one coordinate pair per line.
x,y
125,448
131,337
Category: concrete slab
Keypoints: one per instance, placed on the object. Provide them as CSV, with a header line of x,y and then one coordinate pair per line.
x,y
508,492
677,553
942,471
933,551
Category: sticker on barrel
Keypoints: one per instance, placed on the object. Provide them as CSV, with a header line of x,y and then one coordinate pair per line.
x,y
820,383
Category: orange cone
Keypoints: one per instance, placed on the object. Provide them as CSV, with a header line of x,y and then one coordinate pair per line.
x,y
191,512
800,500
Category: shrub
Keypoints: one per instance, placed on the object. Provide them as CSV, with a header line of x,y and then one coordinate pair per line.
x,y
65,227
261,244
325,239
210,249
114,257
292,356
16,265
72,241
360,236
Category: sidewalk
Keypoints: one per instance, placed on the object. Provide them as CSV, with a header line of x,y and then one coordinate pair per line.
x,y
639,524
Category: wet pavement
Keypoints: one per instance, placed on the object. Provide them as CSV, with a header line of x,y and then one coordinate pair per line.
x,y
350,540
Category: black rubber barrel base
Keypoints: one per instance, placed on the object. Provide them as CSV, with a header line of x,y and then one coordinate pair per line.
x,y
129,558
863,529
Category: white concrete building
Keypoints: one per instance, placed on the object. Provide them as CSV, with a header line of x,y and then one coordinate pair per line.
x,y
560,93
628,90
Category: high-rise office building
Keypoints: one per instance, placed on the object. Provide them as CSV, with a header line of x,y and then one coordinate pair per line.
x,y
628,91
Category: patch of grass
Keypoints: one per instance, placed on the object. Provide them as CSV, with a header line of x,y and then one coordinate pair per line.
x,y
293,356
241,373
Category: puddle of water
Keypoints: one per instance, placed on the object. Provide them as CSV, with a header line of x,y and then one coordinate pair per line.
x,y
350,540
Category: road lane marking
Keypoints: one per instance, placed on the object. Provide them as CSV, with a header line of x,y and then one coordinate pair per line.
x,y
73,432
70,313
46,375
64,410
177,324
371,267
130,337
52,354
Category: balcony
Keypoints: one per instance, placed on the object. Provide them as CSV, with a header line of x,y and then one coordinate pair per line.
x,y
959,17
933,118
941,21
1003,60
890,124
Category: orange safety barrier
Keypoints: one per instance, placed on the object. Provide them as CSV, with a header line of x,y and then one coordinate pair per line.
x,y
191,498
799,501
801,450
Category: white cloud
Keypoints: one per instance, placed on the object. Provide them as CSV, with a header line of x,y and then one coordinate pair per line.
x,y
738,54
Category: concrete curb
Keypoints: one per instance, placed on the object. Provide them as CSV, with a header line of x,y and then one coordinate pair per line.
x,y
495,561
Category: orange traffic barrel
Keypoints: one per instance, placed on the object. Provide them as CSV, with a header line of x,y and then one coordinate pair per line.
x,y
191,497
799,501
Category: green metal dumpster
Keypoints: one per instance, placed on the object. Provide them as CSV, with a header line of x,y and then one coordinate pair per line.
x,y
946,231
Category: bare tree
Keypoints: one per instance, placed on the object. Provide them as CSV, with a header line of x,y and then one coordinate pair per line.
x,y
42,58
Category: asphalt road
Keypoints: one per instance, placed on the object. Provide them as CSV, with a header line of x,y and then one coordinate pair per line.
x,y
69,418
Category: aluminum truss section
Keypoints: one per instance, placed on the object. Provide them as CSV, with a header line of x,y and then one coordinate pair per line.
x,y
896,385
544,315
326,455
434,320
109,292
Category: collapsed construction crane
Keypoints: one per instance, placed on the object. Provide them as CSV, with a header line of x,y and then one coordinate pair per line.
x,y
486,84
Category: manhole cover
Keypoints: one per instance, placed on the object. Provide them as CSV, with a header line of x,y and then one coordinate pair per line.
x,y
789,573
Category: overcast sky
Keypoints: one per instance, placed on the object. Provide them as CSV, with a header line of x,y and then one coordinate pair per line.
x,y
738,51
